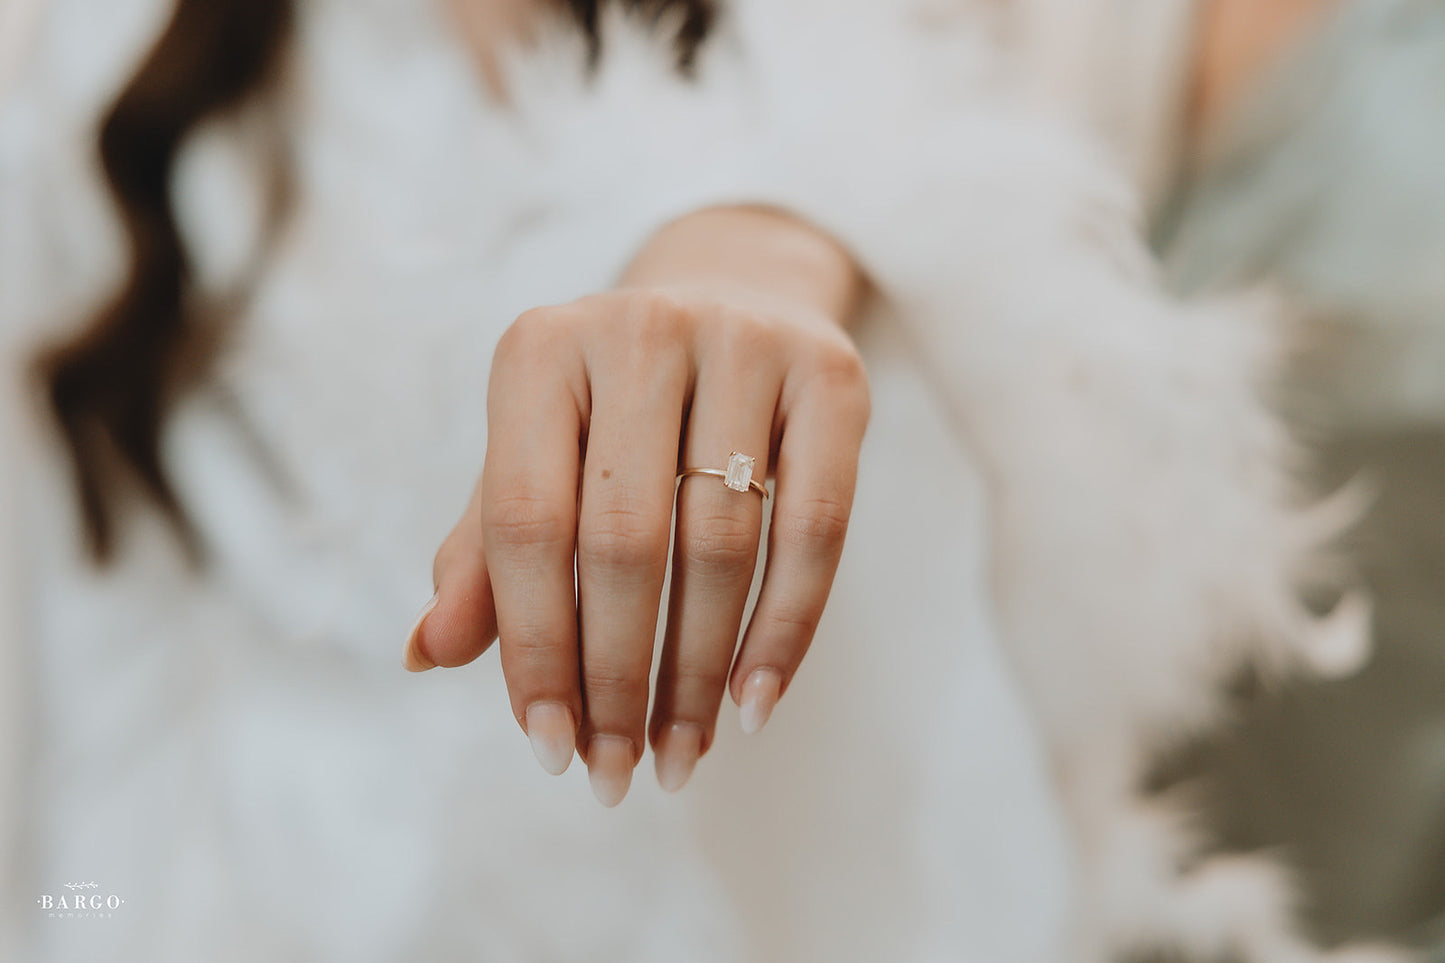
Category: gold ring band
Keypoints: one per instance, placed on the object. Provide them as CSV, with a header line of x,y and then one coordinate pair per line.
x,y
738,475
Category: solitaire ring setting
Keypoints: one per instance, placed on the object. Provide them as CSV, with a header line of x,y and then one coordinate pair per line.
x,y
738,475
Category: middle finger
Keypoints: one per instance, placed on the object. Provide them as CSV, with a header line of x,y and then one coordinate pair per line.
x,y
622,536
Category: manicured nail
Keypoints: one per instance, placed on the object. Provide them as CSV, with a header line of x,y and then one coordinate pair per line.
x,y
760,694
553,735
609,767
414,659
678,748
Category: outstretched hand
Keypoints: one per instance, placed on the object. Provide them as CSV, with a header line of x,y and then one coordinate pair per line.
x,y
727,338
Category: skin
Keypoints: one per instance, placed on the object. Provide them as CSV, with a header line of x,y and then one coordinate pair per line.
x,y
1235,41
485,25
726,333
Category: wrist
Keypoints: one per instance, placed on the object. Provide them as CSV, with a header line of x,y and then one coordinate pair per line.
x,y
751,254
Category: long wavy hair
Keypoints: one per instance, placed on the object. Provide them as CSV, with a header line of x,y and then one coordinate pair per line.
x,y
111,386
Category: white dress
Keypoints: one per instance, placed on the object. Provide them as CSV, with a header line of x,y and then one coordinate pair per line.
x,y
237,753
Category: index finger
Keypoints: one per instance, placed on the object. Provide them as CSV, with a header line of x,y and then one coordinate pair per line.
x,y
529,526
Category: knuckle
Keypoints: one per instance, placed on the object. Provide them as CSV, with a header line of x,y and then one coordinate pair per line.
x,y
524,337
792,621
614,683
535,336
658,320
816,527
525,519
645,334
622,538
745,339
839,363
693,678
837,373
532,650
661,309
719,542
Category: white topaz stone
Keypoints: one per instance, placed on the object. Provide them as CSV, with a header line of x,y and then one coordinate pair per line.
x,y
740,472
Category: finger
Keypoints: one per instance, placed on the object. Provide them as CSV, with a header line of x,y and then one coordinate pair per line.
x,y
529,522
715,552
816,474
622,537
460,622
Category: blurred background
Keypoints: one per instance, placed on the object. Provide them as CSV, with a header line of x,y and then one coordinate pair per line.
x,y
1296,145
1315,162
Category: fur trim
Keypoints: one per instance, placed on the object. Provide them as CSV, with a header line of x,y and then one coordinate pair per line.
x,y
1148,539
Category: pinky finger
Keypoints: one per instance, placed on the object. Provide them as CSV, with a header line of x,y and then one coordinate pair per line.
x,y
817,470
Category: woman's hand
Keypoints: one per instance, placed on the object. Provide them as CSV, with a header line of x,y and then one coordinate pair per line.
x,y
726,337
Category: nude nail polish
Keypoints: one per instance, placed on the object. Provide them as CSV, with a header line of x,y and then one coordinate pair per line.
x,y
676,754
553,735
414,659
609,768
759,696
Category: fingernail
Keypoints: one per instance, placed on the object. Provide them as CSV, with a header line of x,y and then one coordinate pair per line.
x,y
414,659
553,735
609,768
760,694
676,754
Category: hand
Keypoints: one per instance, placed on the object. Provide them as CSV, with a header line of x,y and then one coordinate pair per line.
x,y
593,409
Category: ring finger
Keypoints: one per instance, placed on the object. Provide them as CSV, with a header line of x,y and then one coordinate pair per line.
x,y
715,554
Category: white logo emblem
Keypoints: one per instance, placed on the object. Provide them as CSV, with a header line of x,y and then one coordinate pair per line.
x,y
84,901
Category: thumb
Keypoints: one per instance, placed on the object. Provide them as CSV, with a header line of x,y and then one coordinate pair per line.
x,y
460,621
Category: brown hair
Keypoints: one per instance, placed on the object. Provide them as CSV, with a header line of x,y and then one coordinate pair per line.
x,y
111,386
